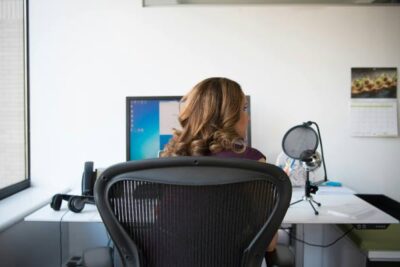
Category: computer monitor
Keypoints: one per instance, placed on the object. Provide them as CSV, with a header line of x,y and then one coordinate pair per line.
x,y
149,124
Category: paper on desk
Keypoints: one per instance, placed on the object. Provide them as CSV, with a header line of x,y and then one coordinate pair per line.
x,y
353,211
334,190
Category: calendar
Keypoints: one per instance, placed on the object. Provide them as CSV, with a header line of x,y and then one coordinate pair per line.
x,y
373,102
376,117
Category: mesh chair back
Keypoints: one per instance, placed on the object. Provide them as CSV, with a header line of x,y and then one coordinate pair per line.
x,y
192,211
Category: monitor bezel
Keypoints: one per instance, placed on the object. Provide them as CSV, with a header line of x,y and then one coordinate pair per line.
x,y
161,98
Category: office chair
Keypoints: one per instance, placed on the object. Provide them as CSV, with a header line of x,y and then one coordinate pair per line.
x,y
192,211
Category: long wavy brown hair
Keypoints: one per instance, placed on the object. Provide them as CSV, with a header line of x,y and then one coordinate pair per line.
x,y
208,116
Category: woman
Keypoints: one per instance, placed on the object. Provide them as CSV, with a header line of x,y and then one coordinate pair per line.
x,y
214,120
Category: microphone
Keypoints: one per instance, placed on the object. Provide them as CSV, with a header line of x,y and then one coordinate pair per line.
x,y
301,142
306,155
322,159
313,162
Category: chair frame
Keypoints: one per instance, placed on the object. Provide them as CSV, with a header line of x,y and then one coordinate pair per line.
x,y
151,170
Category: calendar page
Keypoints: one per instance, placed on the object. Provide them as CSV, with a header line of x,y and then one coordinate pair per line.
x,y
376,117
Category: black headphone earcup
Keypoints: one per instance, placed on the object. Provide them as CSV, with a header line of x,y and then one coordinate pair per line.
x,y
76,204
55,203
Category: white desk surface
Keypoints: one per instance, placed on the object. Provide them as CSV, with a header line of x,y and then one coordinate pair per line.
x,y
47,214
338,206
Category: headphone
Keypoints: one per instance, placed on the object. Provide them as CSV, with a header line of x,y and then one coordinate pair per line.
x,y
77,203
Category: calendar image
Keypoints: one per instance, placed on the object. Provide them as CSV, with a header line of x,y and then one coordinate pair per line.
x,y
373,83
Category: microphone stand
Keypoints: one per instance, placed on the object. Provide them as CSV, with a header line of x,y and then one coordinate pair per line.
x,y
308,190
307,160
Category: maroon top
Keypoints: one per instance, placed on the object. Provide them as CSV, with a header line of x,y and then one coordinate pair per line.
x,y
249,153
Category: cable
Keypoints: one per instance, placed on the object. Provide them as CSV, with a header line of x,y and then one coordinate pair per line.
x,y
318,245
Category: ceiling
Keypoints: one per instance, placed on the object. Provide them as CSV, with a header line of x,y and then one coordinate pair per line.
x,y
186,2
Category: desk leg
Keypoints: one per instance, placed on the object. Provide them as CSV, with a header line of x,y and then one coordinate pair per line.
x,y
306,255
64,236
299,247
76,237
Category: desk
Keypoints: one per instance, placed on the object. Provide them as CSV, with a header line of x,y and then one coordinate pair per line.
x,y
339,206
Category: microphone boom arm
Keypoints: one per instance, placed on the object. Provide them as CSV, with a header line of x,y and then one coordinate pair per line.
x,y
309,123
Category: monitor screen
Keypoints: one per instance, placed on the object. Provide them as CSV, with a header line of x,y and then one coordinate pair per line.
x,y
150,123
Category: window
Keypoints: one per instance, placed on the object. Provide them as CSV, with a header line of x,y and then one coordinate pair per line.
x,y
14,97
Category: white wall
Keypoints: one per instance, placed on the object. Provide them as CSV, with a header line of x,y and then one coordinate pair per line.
x,y
295,61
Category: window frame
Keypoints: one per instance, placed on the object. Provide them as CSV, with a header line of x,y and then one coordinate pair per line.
x,y
26,183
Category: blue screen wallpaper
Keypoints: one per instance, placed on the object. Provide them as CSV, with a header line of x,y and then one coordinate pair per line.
x,y
151,123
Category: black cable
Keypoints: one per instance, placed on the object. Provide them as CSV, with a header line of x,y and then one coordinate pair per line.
x,y
318,245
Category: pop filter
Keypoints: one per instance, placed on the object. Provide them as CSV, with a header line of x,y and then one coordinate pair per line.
x,y
299,141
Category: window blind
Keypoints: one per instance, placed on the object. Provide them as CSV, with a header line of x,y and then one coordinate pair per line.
x,y
13,94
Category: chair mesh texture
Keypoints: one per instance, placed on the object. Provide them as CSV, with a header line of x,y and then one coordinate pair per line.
x,y
181,225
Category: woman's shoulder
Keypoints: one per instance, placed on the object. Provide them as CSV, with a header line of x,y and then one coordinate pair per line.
x,y
248,153
253,153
